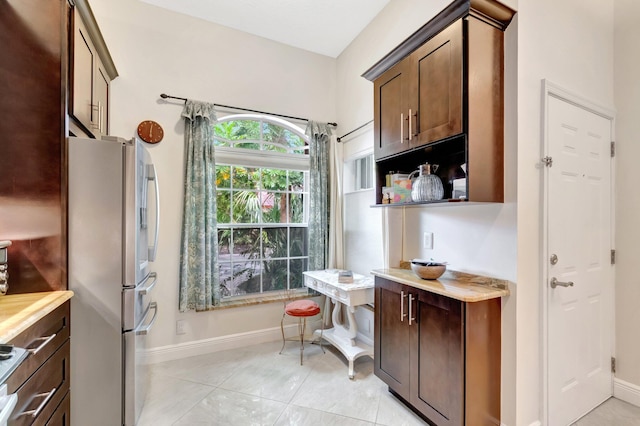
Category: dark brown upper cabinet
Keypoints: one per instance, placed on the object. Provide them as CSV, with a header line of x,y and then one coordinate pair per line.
x,y
438,98
91,71
436,87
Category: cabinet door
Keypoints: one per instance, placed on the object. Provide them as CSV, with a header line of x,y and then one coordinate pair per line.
x,y
437,388
392,334
101,99
62,415
436,88
391,111
82,77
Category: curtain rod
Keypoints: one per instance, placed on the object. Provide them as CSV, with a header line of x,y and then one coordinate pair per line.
x,y
354,130
165,96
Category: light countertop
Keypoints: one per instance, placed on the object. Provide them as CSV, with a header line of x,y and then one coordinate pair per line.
x,y
456,285
20,311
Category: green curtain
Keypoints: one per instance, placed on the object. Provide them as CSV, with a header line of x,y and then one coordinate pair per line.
x,y
199,276
319,135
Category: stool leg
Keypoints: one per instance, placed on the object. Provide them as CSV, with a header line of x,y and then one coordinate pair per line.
x,y
282,329
302,324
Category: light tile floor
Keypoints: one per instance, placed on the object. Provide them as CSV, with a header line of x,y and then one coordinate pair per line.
x,y
256,386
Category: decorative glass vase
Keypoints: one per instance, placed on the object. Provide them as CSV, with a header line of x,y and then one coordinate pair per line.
x,y
427,187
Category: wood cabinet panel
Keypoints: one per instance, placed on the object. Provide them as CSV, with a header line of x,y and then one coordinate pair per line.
x,y
89,77
102,99
32,117
438,87
391,111
391,359
41,394
438,343
62,415
452,349
82,74
42,380
44,337
486,123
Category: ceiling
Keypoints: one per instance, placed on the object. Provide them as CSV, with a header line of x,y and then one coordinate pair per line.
x,y
321,26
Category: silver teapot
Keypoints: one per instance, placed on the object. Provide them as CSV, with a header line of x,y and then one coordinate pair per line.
x,y
427,186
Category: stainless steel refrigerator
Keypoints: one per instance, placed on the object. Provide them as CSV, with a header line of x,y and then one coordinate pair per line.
x,y
113,233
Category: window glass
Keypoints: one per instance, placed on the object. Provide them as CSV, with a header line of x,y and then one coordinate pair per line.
x,y
262,211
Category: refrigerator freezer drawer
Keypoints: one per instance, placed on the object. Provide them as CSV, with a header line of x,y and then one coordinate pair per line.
x,y
135,302
136,375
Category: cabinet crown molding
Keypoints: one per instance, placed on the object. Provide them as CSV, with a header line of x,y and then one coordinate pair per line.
x,y
490,11
96,36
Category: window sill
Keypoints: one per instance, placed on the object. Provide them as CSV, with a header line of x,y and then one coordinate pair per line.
x,y
267,298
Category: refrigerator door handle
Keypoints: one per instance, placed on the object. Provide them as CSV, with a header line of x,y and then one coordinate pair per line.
x,y
153,250
146,289
144,329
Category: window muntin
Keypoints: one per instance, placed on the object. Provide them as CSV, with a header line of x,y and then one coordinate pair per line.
x,y
262,206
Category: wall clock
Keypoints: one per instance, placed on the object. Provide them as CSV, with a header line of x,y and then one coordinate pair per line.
x,y
150,131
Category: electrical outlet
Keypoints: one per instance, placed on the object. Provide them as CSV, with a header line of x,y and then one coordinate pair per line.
x,y
427,240
181,327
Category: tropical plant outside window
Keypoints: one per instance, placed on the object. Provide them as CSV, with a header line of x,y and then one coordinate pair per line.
x,y
262,197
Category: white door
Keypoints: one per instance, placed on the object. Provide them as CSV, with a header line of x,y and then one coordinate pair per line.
x,y
580,310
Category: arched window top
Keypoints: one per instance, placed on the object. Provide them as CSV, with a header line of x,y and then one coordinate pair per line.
x,y
261,133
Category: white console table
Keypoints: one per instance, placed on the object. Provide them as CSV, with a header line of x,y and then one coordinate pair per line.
x,y
360,292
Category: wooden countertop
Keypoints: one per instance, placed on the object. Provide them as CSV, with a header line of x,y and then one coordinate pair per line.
x,y
456,285
20,311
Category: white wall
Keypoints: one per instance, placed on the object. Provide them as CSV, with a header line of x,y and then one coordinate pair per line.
x,y
158,51
627,101
569,42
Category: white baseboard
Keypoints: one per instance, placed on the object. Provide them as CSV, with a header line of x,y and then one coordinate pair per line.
x,y
626,391
216,344
536,423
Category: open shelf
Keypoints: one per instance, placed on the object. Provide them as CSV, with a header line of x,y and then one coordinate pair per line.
x,y
449,155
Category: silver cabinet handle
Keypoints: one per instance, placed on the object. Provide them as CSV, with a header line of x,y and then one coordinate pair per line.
x,y
43,344
555,283
143,330
100,117
401,127
35,413
402,314
409,118
95,123
411,318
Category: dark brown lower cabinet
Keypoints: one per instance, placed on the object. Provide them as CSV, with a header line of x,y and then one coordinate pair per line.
x,y
42,380
441,356
62,415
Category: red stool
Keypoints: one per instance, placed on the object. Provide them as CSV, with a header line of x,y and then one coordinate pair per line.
x,y
301,309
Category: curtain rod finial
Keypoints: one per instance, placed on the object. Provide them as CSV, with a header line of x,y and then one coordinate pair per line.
x,y
164,95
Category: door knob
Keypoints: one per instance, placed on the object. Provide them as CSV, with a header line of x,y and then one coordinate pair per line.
x,y
555,283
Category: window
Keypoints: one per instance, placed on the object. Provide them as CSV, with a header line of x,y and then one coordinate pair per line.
x,y
262,195
364,173
358,174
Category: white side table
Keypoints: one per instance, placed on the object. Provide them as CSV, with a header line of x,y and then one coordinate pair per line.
x,y
360,292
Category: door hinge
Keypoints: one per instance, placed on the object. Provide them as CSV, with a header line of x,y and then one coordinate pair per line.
x,y
613,364
547,161
613,257
613,148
